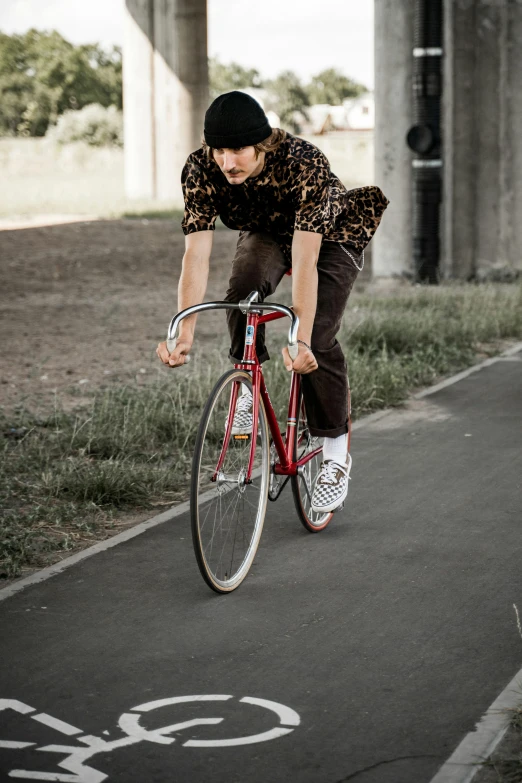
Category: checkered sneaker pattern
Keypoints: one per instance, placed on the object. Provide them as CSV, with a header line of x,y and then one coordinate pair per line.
x,y
242,424
331,485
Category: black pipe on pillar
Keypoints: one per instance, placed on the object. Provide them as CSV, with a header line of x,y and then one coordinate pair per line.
x,y
424,138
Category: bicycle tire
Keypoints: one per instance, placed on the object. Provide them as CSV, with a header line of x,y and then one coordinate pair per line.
x,y
227,516
303,483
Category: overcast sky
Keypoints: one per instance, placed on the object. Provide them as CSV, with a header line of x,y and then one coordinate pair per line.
x,y
270,35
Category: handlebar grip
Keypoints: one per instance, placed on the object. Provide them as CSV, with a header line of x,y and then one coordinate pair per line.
x,y
293,350
171,345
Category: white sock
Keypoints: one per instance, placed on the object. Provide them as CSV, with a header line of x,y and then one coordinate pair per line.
x,y
245,389
336,449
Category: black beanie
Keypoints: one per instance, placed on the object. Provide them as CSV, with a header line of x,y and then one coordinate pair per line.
x,y
234,120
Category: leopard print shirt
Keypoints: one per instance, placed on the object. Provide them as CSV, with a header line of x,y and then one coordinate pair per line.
x,y
295,190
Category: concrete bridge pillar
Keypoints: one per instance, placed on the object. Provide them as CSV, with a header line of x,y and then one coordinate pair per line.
x,y
481,232
165,92
482,132
391,248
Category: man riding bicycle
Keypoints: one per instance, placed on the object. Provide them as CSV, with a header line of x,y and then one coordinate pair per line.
x,y
294,215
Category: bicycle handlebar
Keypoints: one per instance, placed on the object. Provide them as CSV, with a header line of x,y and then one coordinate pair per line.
x,y
246,305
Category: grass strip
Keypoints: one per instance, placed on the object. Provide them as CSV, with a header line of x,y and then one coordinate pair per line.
x,y
505,764
64,475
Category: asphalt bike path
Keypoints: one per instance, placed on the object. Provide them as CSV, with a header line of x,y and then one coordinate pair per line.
x,y
366,652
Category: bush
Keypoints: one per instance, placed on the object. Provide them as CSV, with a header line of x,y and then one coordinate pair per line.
x,y
94,124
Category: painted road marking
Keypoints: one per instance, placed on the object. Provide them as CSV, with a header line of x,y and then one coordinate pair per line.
x,y
154,705
24,709
130,725
286,715
17,706
228,743
77,771
54,723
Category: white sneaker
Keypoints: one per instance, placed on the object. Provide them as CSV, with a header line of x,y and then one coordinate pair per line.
x,y
243,419
331,485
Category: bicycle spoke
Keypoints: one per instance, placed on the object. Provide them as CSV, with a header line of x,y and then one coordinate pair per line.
x,y
228,532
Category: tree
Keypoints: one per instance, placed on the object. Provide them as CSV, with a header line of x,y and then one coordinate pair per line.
x,y
42,75
108,68
224,78
332,87
288,99
16,88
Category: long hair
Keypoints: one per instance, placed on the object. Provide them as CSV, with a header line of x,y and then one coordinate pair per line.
x,y
269,144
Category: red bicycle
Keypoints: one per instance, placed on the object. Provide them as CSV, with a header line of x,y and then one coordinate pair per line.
x,y
234,474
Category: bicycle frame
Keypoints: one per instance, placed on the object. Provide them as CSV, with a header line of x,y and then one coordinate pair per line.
x,y
286,466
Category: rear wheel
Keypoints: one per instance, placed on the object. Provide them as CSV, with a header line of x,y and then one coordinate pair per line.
x,y
227,515
303,483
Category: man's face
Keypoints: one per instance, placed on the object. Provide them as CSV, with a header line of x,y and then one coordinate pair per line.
x,y
239,164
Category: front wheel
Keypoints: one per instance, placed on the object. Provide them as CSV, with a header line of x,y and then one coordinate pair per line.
x,y
227,514
303,483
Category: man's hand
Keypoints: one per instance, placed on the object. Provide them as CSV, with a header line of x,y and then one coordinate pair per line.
x,y
179,355
304,362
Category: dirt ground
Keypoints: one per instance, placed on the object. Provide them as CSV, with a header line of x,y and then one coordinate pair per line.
x,y
83,305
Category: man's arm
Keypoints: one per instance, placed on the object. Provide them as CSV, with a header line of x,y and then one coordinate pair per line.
x,y
305,253
194,277
191,291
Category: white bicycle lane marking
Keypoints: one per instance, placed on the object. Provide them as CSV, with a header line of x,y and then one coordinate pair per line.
x,y
129,723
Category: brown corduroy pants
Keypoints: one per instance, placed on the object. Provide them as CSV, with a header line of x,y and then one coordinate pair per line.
x,y
259,265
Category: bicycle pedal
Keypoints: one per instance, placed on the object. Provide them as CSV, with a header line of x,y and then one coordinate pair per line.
x,y
241,437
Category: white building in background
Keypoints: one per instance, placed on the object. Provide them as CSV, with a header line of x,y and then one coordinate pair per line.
x,y
360,112
352,114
